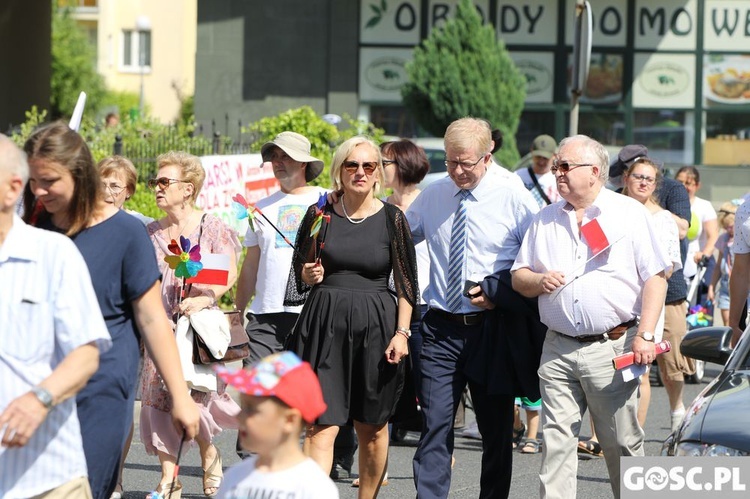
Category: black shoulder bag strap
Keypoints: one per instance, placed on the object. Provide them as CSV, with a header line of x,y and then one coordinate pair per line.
x,y
538,187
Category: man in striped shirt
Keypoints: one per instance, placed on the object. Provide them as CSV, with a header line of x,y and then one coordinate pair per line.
x,y
51,335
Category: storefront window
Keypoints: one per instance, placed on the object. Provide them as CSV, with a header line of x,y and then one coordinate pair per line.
x,y
669,135
603,127
531,125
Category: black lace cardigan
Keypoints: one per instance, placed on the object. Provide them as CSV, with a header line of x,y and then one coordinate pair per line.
x,y
403,278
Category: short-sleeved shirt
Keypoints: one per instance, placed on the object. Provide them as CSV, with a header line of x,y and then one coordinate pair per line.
x,y
122,263
305,480
47,309
704,211
286,212
601,291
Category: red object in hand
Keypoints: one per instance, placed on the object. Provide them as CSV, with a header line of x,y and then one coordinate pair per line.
x,y
628,359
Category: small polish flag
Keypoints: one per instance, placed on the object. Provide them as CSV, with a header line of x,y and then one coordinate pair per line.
x,y
215,270
595,237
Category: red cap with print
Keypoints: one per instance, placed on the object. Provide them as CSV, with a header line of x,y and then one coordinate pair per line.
x,y
284,376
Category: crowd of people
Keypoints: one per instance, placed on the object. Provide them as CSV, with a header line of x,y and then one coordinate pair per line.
x,y
520,287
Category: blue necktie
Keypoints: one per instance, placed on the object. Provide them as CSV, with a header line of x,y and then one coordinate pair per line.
x,y
456,255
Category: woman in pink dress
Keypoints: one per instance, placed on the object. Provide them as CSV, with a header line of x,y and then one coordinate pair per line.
x,y
179,180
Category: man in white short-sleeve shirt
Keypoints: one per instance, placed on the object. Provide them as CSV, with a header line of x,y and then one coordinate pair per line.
x,y
51,335
265,269
593,287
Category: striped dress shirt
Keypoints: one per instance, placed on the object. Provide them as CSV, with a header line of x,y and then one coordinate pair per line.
x,y
47,309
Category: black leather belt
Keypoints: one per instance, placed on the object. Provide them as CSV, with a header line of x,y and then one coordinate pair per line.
x,y
466,319
613,334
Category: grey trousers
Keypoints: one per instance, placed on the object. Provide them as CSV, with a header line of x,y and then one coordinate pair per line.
x,y
573,377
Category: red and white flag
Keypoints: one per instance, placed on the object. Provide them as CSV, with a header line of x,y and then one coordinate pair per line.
x,y
215,270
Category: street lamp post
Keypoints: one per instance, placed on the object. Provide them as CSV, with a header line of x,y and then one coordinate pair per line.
x,y
142,23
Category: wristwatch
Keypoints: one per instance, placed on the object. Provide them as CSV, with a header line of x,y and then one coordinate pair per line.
x,y
646,336
44,396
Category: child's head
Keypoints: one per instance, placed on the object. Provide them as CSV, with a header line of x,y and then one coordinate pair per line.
x,y
725,217
279,394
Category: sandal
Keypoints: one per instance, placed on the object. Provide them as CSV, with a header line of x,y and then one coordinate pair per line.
x,y
117,494
590,448
165,491
355,482
530,446
518,435
213,476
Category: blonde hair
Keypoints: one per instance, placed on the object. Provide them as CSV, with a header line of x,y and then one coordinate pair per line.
x,y
469,134
119,165
344,151
726,210
190,165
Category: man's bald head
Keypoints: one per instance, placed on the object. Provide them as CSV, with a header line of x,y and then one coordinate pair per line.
x,y
13,159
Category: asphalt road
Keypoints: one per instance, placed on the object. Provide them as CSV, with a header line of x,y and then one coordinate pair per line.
x,y
142,471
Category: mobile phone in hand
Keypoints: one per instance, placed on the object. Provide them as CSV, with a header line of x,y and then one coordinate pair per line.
x,y
467,286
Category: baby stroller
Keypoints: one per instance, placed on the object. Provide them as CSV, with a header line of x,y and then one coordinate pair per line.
x,y
693,299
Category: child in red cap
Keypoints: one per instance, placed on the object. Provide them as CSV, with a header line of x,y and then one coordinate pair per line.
x,y
278,396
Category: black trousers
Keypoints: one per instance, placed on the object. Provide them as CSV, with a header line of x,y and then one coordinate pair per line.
x,y
444,352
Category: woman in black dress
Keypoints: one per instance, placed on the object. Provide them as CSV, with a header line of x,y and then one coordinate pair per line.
x,y
354,326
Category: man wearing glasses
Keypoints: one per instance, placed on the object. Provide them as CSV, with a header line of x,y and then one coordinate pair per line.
x,y
596,264
473,224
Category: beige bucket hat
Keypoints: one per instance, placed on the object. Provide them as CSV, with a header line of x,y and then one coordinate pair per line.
x,y
298,148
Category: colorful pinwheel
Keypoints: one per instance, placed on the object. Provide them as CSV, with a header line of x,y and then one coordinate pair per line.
x,y
242,209
186,261
319,216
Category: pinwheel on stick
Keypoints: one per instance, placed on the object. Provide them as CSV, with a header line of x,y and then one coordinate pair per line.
x,y
185,261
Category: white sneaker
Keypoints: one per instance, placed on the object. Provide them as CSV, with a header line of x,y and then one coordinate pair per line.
x,y
677,417
472,431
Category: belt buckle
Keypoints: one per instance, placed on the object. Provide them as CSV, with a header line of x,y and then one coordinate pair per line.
x,y
465,320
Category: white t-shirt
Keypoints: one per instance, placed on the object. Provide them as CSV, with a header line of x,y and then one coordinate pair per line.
x,y
286,211
546,181
303,481
705,212
501,173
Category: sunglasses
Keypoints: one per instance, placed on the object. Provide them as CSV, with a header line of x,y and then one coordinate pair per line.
x,y
565,166
369,167
163,182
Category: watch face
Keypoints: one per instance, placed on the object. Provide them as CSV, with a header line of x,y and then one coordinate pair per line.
x,y
648,336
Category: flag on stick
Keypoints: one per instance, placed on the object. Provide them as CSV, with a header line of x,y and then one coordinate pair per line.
x,y
215,270
595,237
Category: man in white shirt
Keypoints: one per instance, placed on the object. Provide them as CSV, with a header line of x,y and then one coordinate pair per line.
x,y
538,178
473,224
593,282
266,266
51,336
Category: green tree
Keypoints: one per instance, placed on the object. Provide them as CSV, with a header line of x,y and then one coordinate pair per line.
x,y
460,70
73,66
